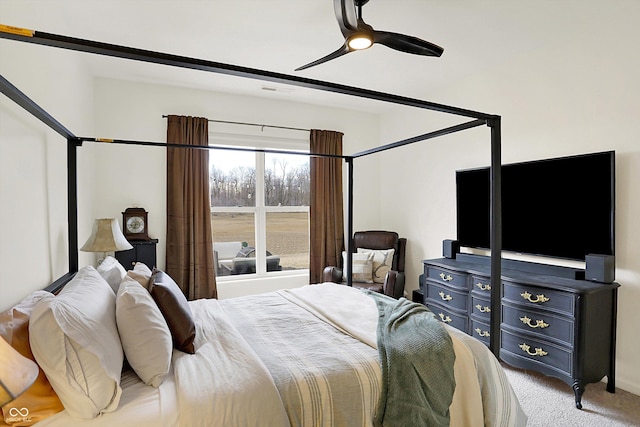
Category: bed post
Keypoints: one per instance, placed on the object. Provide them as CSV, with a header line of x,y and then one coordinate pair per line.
x,y
496,233
349,260
72,201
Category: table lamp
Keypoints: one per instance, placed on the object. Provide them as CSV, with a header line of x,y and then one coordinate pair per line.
x,y
17,373
106,236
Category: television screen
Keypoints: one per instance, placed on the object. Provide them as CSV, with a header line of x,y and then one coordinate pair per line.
x,y
562,207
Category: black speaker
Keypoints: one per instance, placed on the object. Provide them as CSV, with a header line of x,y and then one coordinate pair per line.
x,y
600,268
450,248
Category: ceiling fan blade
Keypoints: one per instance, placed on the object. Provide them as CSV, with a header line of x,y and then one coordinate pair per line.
x,y
333,55
408,44
346,16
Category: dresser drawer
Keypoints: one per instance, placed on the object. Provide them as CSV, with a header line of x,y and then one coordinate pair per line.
x,y
481,308
481,286
447,297
538,322
533,296
538,351
458,321
480,330
447,277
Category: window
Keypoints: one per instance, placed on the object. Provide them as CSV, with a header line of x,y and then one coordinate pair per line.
x,y
259,205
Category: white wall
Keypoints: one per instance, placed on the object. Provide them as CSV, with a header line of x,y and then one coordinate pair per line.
x,y
33,211
128,175
576,95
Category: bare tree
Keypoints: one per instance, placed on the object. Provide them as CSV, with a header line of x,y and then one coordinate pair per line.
x,y
283,185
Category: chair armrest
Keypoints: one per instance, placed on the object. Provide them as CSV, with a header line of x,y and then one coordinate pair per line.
x,y
393,284
332,274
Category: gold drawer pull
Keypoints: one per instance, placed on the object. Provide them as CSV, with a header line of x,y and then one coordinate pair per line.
x,y
538,352
482,287
482,333
539,298
539,323
445,319
483,309
445,297
446,277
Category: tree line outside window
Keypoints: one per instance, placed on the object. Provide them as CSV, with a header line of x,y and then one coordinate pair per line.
x,y
284,185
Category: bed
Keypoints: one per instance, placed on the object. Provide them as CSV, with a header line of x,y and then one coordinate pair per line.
x,y
309,356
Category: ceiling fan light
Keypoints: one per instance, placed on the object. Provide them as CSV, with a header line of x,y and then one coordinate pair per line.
x,y
360,41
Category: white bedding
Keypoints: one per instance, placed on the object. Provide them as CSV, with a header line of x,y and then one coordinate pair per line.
x,y
140,406
224,383
266,360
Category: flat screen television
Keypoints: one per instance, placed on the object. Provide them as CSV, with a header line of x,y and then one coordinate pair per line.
x,y
560,208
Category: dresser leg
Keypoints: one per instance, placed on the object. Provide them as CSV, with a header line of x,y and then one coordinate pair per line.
x,y
578,390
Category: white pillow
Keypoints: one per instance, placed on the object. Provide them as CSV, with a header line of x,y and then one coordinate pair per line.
x,y
75,340
144,333
362,267
382,262
141,273
141,268
112,271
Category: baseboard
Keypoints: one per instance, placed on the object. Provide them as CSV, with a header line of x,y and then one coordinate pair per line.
x,y
631,387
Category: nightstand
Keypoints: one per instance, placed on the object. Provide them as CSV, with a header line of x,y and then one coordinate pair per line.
x,y
143,251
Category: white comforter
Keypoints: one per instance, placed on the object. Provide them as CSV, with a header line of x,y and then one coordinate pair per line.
x,y
224,383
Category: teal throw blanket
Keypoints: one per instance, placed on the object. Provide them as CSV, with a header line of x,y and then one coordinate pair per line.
x,y
417,357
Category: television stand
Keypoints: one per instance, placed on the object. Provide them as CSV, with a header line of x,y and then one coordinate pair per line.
x,y
551,322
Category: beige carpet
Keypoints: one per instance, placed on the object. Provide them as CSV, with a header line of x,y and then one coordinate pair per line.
x,y
549,402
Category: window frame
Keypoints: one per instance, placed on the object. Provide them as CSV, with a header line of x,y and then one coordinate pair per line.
x,y
276,140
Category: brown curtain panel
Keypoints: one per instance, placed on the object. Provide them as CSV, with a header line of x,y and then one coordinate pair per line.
x,y
326,215
189,238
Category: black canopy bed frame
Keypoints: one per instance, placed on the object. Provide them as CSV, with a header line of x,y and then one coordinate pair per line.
x,y
73,141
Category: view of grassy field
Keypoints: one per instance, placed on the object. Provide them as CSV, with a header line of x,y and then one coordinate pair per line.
x,y
287,234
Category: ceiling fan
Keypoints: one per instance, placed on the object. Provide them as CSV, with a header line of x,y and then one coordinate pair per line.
x,y
359,35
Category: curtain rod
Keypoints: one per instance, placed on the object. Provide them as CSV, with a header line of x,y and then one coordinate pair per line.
x,y
253,124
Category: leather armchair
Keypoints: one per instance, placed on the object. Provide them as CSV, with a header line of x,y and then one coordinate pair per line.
x,y
393,284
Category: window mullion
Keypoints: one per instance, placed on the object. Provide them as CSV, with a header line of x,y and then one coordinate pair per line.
x,y
260,217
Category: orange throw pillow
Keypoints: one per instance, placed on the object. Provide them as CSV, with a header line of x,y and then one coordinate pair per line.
x,y
39,401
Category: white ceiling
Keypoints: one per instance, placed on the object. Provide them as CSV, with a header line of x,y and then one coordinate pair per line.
x,y
280,35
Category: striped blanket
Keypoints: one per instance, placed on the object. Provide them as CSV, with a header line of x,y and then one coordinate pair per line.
x,y
324,377
308,357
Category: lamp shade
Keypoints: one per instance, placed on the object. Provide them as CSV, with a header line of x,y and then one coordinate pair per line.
x,y
17,373
106,237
